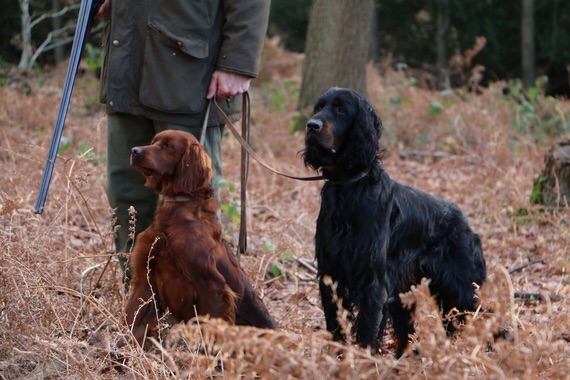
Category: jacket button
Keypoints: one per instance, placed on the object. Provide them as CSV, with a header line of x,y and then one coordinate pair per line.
x,y
111,103
179,44
115,42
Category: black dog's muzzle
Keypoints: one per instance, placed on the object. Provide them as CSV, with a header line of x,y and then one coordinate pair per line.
x,y
314,125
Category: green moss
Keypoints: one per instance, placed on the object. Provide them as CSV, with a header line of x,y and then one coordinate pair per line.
x,y
537,194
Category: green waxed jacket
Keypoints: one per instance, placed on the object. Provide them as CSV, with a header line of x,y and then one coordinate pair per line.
x,y
160,55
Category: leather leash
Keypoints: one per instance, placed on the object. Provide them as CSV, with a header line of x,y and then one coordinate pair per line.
x,y
246,152
244,175
245,145
205,123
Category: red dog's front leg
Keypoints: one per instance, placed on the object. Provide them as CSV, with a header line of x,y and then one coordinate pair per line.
x,y
141,312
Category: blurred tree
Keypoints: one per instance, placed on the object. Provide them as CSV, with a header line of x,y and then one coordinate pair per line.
x,y
499,23
527,44
57,23
9,27
553,44
337,49
289,19
27,51
406,31
406,27
441,43
54,38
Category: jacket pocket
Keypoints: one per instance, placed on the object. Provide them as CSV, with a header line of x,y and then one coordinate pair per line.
x,y
176,70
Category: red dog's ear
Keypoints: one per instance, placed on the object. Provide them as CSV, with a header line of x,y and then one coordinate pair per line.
x,y
154,183
194,170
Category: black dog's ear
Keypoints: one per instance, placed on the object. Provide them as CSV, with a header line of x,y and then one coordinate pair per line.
x,y
362,143
369,116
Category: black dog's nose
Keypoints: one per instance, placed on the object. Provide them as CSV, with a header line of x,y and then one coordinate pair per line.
x,y
314,125
136,151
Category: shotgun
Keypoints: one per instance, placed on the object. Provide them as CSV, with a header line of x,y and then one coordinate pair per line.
x,y
87,12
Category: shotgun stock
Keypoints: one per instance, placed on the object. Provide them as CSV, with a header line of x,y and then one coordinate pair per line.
x,y
87,12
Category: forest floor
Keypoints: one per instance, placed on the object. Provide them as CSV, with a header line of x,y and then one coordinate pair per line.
x,y
61,307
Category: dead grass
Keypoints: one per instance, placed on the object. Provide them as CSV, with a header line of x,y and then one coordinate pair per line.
x,y
471,151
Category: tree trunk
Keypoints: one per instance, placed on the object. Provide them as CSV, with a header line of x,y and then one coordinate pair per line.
x,y
374,53
552,188
441,43
527,44
337,47
56,23
27,50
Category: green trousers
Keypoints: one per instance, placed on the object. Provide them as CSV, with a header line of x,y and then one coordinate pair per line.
x,y
125,185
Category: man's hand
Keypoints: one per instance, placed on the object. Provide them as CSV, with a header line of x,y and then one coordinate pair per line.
x,y
104,9
225,84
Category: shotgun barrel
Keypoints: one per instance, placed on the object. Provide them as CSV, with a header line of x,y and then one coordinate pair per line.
x,y
87,12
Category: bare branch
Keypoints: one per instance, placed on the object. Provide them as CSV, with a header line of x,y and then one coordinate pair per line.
x,y
29,56
519,268
54,14
45,46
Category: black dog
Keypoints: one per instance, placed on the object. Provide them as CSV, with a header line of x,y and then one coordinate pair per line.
x,y
376,238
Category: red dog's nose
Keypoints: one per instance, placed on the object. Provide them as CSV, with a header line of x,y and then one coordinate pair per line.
x,y
136,151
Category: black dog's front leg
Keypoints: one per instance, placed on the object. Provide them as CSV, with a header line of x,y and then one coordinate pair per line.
x,y
402,323
329,300
371,318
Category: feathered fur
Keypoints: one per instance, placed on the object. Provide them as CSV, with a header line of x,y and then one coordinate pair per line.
x,y
375,237
181,261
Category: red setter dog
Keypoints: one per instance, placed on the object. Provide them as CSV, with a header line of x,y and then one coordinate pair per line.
x,y
181,259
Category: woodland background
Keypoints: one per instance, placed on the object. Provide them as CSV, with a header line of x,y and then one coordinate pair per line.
x,y
405,34
61,305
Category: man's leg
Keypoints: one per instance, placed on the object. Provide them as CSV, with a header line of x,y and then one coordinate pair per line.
x,y
125,185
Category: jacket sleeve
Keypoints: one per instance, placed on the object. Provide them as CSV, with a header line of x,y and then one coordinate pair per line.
x,y
244,28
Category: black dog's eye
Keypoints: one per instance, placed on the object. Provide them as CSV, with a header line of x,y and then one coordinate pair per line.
x,y
319,105
340,109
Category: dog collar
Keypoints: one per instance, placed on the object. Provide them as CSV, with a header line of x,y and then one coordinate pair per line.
x,y
351,179
178,198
